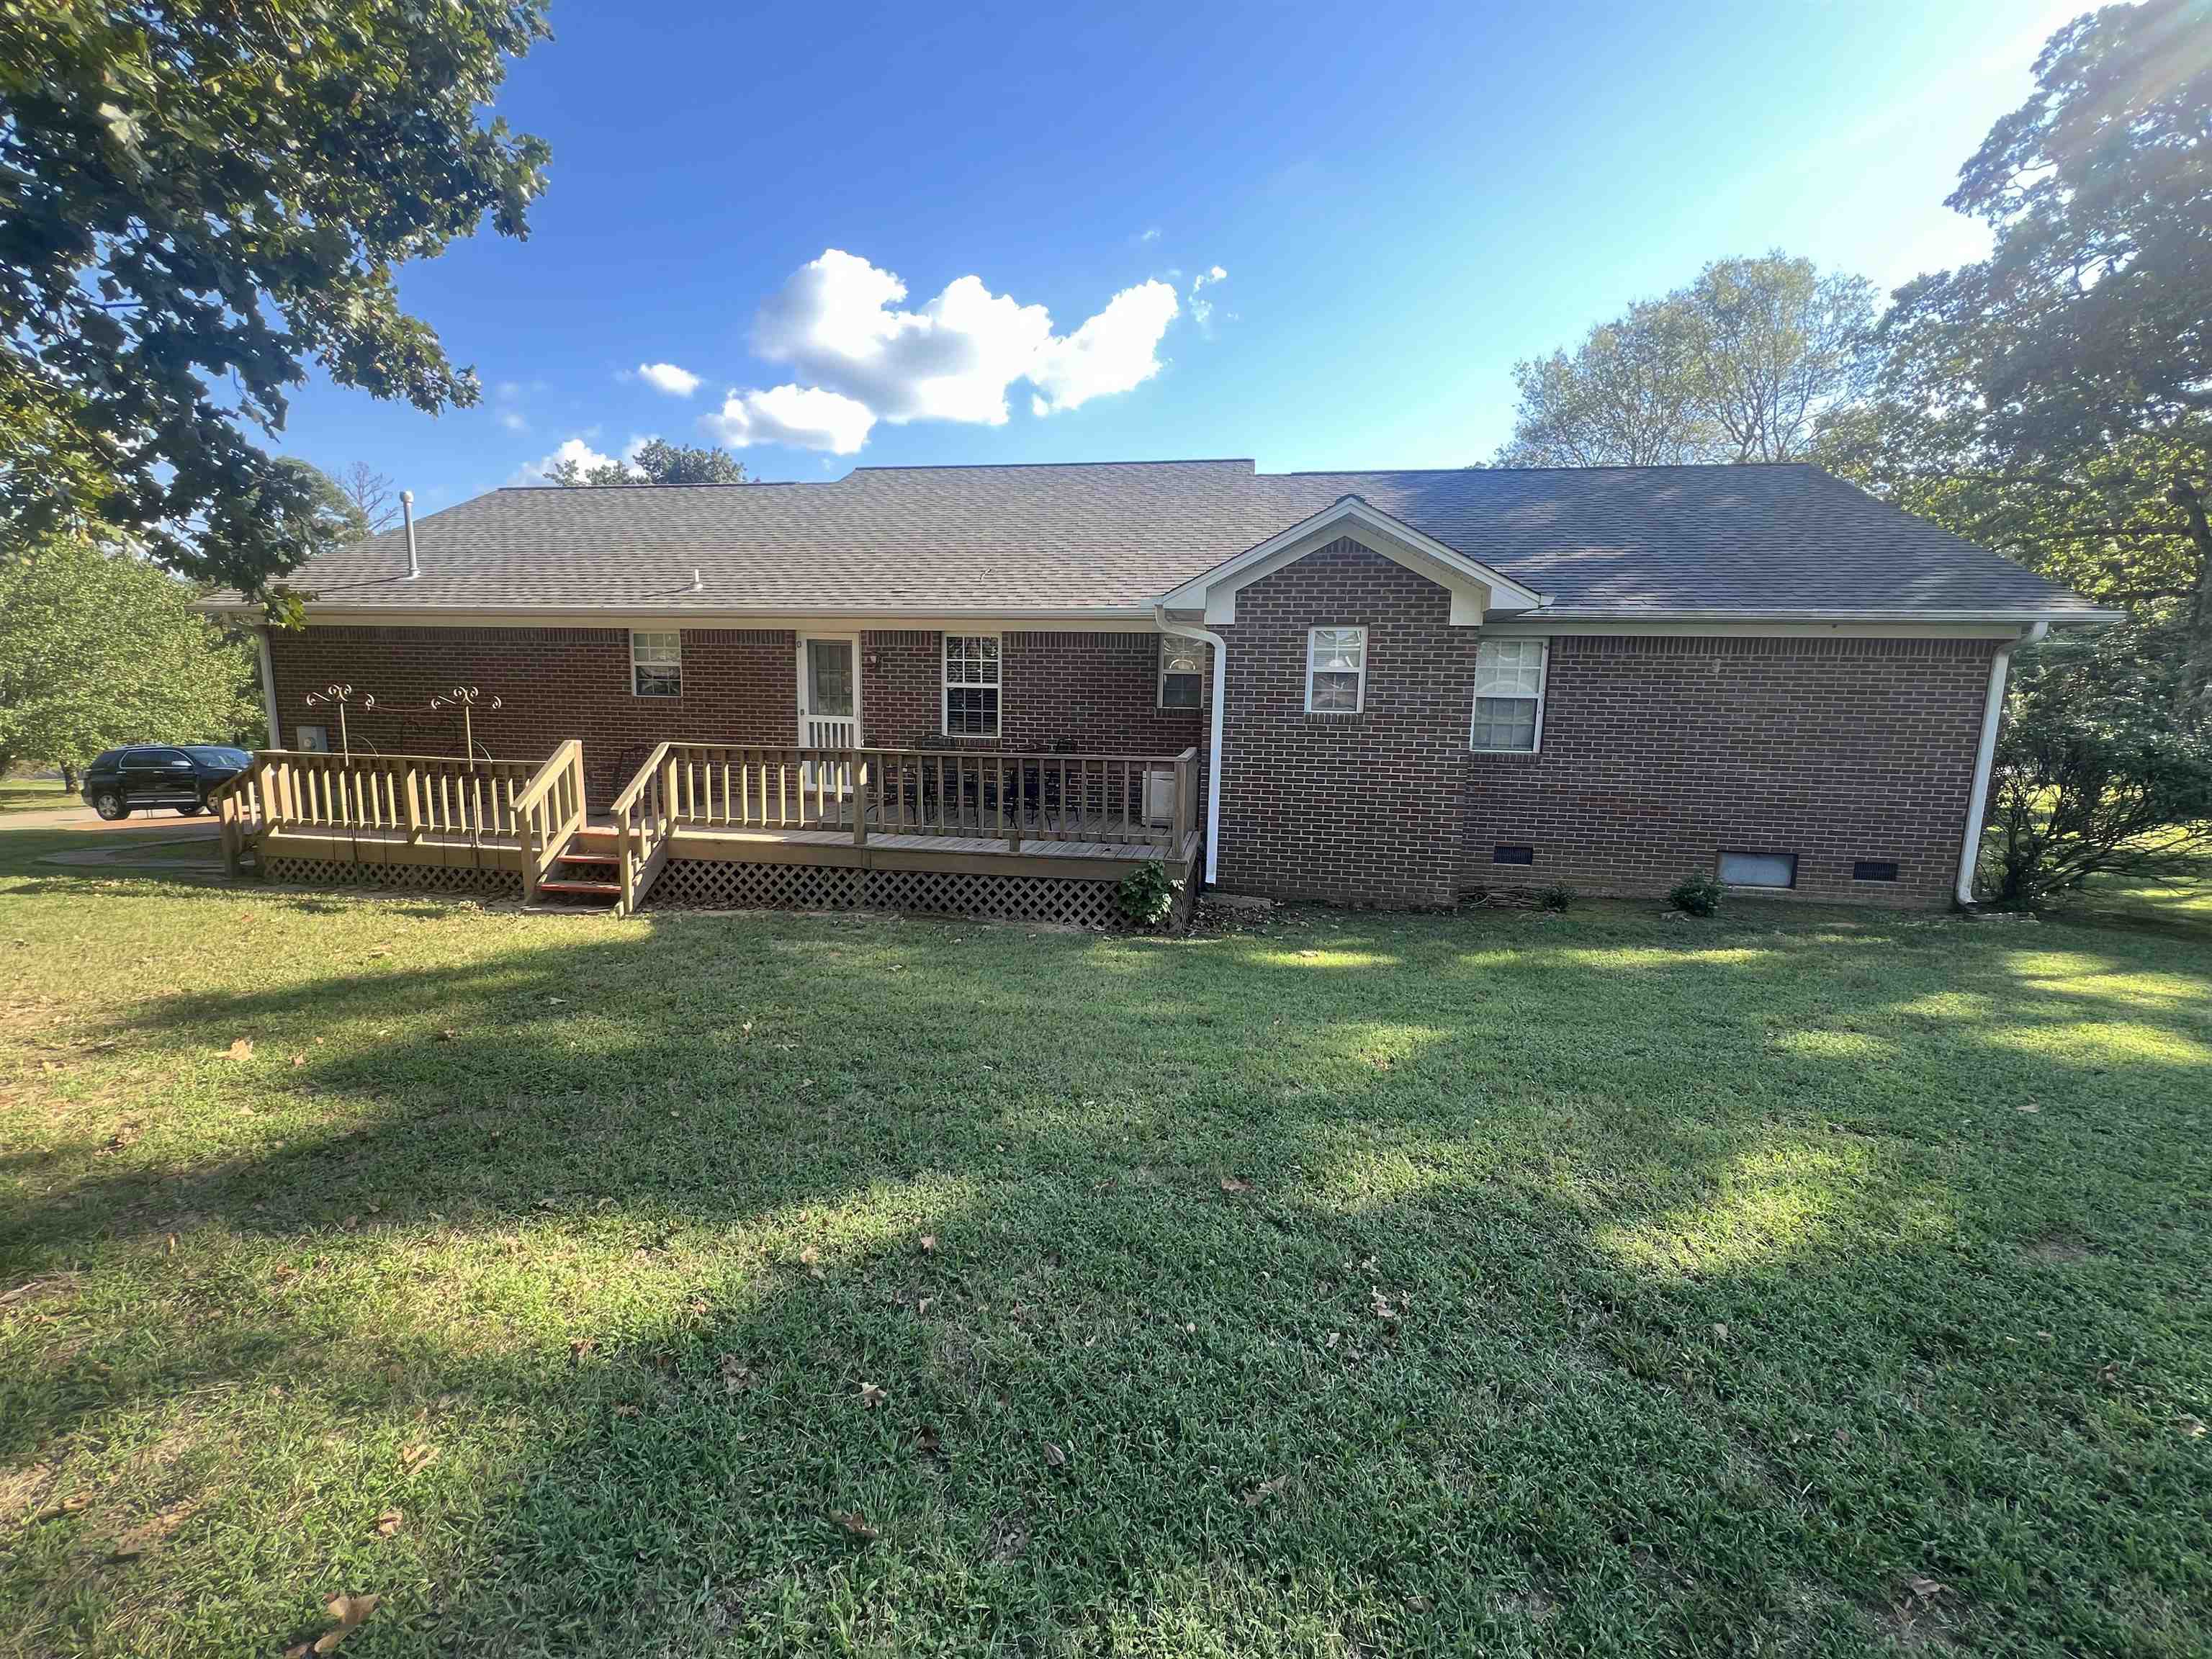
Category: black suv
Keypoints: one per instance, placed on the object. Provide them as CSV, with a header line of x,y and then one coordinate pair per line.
x,y
126,780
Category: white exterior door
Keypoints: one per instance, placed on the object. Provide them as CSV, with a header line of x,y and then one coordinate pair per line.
x,y
828,691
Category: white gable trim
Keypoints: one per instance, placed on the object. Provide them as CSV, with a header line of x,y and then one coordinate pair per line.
x,y
1475,587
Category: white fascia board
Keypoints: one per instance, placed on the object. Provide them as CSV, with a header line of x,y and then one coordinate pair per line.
x,y
1519,627
1111,619
1595,620
1475,586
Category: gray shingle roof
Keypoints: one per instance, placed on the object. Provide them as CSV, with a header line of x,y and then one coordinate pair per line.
x,y
887,540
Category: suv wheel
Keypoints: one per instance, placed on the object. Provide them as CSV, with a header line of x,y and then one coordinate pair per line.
x,y
108,803
191,808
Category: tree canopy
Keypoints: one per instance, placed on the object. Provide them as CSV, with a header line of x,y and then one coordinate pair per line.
x,y
2055,400
656,461
1740,365
197,200
99,647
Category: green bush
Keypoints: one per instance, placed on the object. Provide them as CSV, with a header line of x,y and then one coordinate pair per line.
x,y
1557,896
1146,895
1699,896
2104,765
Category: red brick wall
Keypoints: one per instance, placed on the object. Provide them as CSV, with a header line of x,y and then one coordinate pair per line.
x,y
1354,809
1094,692
740,686
1658,754
1091,692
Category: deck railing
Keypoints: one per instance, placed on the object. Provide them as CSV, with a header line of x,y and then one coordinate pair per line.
x,y
414,795
550,809
1145,801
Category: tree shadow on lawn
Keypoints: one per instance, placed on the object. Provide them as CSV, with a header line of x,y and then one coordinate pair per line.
x,y
1590,1291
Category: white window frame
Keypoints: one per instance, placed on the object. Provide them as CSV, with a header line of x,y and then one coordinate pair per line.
x,y
947,686
1543,686
637,634
1360,691
1179,645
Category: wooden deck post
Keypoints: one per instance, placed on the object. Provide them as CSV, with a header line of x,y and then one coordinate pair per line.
x,y
1011,805
1186,801
413,806
857,770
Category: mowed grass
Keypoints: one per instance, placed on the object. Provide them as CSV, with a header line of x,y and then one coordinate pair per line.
x,y
1790,1283
34,795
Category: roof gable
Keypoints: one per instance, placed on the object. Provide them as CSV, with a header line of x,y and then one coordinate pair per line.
x,y
1475,588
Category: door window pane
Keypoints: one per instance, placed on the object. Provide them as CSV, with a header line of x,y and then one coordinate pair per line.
x,y
830,671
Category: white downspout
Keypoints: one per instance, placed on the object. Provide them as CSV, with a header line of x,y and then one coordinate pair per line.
x,y
1185,631
268,686
1970,850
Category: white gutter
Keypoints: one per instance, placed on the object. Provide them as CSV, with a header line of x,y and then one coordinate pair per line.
x,y
1185,631
268,686
1970,849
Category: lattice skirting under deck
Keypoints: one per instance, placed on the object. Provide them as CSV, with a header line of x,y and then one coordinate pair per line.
x,y
407,877
711,884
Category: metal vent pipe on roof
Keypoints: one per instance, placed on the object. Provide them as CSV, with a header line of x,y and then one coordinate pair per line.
x,y
407,513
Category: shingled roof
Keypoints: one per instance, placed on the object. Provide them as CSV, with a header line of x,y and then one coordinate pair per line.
x,y
1111,537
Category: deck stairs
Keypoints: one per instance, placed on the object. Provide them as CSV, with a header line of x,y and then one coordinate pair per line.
x,y
584,874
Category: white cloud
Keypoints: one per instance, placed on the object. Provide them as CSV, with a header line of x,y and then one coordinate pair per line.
x,y
513,420
576,449
1114,351
1201,311
838,323
803,416
666,377
1150,233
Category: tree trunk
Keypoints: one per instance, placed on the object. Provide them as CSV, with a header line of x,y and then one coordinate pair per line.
x,y
70,776
2196,674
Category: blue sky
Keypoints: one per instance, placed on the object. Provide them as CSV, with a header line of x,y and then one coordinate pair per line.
x,y
1402,201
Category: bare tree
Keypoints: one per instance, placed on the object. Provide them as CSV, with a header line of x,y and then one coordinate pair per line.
x,y
372,492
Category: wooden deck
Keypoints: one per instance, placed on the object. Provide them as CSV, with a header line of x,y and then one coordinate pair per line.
x,y
891,817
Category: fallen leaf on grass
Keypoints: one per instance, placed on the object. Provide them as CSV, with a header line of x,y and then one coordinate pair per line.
x,y
1231,1184
929,1243
871,1395
299,1060
390,1522
856,1524
928,1441
1267,1489
242,1048
1925,1591
70,1505
150,1535
736,1376
1055,1454
2192,1428
448,1035
415,1456
624,1409
348,1611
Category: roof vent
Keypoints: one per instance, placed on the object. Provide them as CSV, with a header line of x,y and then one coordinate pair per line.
x,y
407,512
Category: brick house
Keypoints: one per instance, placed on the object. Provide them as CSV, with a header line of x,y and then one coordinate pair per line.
x,y
1381,687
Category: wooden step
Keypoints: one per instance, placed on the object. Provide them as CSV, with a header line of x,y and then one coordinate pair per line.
x,y
589,858
595,889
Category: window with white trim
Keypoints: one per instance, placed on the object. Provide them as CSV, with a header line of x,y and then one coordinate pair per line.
x,y
971,685
656,664
1336,670
1509,697
1182,673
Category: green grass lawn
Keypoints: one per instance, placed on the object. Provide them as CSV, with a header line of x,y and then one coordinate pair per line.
x,y
1791,1283
34,795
